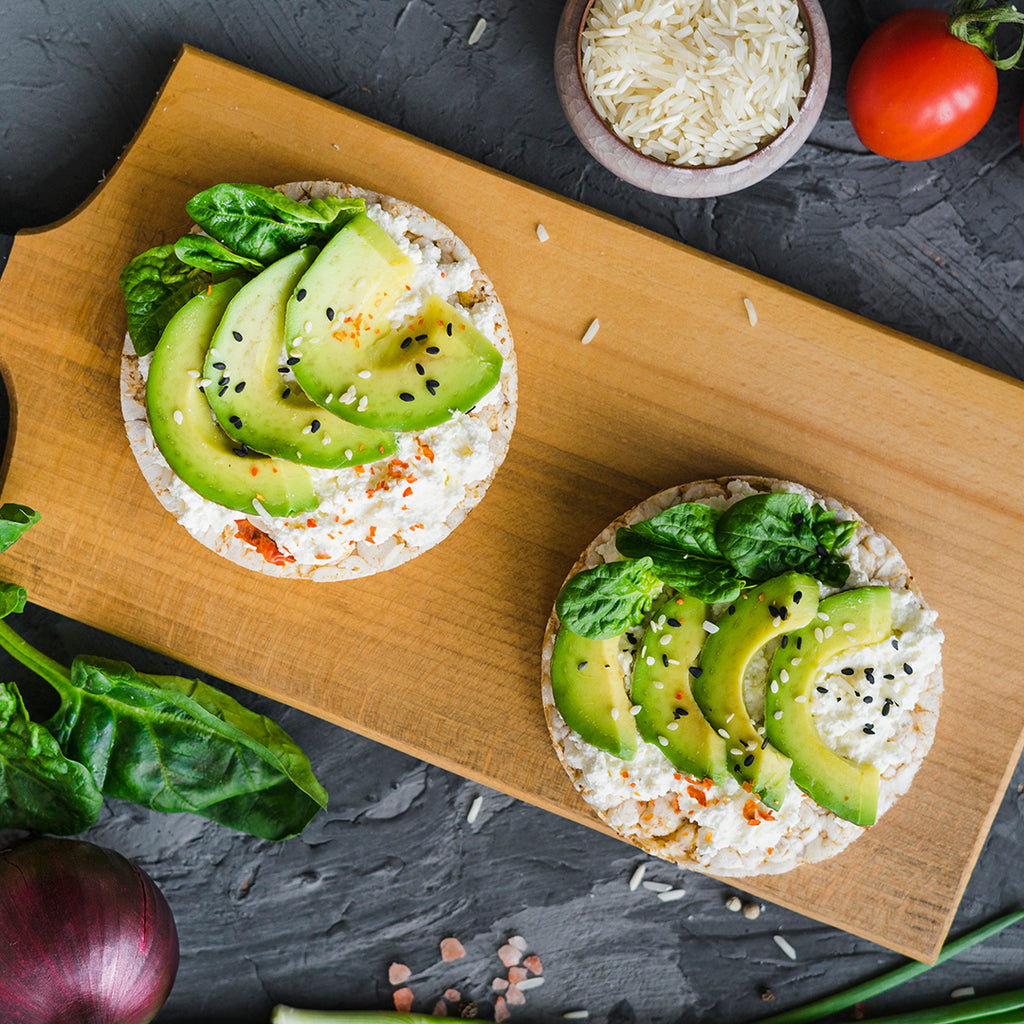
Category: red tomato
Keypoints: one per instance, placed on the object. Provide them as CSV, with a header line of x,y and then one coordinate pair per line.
x,y
917,92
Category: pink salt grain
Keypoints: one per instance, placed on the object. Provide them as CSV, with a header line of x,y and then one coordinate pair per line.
x,y
533,964
516,975
397,973
514,996
501,1010
403,1000
453,995
440,1008
509,955
499,984
452,949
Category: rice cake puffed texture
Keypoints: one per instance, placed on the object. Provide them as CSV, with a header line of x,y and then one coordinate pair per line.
x,y
706,827
467,449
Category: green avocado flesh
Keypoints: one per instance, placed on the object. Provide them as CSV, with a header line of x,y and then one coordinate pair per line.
x,y
247,394
354,362
589,688
187,434
845,621
778,606
669,716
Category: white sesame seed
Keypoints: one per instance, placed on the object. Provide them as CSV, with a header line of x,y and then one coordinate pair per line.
x,y
636,709
663,741
615,714
591,331
474,809
751,312
478,31
672,726
179,417
365,374
672,895
777,715
637,877
542,233
710,627
783,676
848,627
723,732
784,946
363,403
802,699
657,886
828,631
774,686
349,453
666,639
528,983
576,1015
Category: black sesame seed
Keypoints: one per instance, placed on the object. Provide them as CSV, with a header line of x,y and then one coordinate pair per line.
x,y
798,519
406,342
869,699
869,729
300,294
798,596
421,337
895,644
240,387
695,671
420,370
773,611
888,675
821,551
432,350
680,713
286,392
821,689
847,671
330,313
282,369
783,613
886,705
732,609
448,329
220,366
220,394
785,641
907,669
236,335
664,660
764,743
748,760
631,638
224,380
241,451
314,426
674,623
406,397
432,386
292,360
581,666
236,422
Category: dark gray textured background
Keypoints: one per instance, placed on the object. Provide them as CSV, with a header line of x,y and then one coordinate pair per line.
x,y
934,249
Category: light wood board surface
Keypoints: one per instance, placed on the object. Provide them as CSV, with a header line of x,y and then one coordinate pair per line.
x,y
440,658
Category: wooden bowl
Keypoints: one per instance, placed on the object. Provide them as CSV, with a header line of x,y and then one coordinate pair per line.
x,y
668,179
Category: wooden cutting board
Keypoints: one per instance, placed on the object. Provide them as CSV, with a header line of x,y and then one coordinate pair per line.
x,y
440,658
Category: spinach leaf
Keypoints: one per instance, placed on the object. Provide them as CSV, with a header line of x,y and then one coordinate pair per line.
x,y
14,521
209,255
608,599
765,535
684,529
174,744
12,599
703,578
155,285
264,225
40,789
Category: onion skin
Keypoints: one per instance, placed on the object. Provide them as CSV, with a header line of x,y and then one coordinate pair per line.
x,y
86,937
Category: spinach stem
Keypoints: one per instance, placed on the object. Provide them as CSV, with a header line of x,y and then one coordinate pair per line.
x,y
56,674
828,1005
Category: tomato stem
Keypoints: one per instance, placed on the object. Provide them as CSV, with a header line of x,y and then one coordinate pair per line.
x,y
976,23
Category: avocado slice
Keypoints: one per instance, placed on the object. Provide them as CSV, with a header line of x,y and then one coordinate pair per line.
x,y
670,716
845,621
252,403
777,606
589,688
186,433
354,362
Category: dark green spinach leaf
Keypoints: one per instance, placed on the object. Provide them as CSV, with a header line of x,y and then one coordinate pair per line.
x,y
176,744
687,529
155,285
703,578
40,789
14,521
264,225
608,599
765,535
209,255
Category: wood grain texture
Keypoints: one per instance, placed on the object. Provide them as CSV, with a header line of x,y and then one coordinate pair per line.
x,y
440,658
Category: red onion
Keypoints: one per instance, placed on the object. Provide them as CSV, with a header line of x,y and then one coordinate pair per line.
x,y
86,937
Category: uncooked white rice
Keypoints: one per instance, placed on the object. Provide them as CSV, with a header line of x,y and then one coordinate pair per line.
x,y
695,82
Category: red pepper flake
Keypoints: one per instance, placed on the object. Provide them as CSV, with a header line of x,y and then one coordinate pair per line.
x,y
369,536
348,522
407,492
263,544
750,812
698,794
311,523
254,470
425,450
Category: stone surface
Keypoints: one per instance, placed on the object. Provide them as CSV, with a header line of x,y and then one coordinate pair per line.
x,y
934,249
